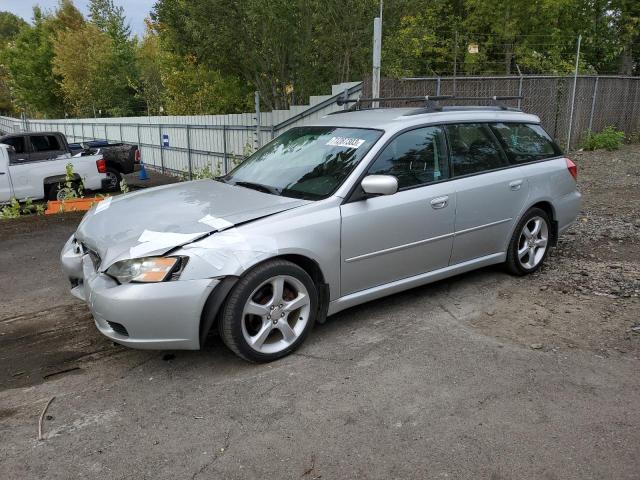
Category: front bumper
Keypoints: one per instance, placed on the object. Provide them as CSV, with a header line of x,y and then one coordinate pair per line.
x,y
163,315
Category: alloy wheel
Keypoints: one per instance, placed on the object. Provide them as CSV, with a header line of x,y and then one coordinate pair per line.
x,y
276,314
533,242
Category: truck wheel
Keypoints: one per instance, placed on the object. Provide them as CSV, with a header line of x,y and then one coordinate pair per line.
x,y
53,191
112,182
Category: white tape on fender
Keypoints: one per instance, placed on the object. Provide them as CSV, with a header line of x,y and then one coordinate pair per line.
x,y
218,223
103,205
151,241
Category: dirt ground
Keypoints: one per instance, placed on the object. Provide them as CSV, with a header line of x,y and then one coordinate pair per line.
x,y
480,376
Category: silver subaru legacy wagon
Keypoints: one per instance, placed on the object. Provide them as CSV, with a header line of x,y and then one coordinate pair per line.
x,y
354,207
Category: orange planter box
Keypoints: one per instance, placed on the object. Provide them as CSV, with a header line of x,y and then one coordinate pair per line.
x,y
71,205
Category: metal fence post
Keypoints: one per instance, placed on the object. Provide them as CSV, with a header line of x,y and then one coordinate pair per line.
x,y
257,100
520,92
161,148
593,103
438,86
139,146
120,132
573,94
189,151
224,149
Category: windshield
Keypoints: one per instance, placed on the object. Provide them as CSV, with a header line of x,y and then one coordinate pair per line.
x,y
305,162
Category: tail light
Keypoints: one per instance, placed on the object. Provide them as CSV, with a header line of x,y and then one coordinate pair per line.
x,y
138,156
573,169
102,165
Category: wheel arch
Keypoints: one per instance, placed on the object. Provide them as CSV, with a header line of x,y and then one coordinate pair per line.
x,y
548,208
213,306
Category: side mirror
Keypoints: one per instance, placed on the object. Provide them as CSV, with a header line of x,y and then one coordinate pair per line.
x,y
11,152
379,184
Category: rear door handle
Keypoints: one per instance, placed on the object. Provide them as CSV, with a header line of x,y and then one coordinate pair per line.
x,y
515,185
439,202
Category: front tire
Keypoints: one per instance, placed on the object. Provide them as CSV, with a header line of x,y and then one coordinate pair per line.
x,y
530,243
269,312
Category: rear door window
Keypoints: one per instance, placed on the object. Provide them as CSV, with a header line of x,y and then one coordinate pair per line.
x,y
525,142
416,157
44,143
474,149
16,142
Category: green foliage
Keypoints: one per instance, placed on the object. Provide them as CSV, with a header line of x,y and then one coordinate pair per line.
x,y
203,173
209,56
71,187
14,210
10,26
124,188
608,139
193,89
150,86
29,62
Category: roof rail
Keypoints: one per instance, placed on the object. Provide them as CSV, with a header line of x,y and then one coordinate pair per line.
x,y
431,102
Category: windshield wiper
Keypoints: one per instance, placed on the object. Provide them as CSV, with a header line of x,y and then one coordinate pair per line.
x,y
259,187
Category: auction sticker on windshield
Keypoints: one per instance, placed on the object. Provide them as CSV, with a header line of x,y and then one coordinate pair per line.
x,y
345,142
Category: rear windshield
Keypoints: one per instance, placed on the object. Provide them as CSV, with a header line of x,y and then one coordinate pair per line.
x,y
305,162
525,142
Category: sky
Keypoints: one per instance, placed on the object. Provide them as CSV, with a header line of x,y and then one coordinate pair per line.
x,y
135,10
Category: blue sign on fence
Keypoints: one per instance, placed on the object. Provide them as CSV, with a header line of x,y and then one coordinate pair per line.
x,y
165,139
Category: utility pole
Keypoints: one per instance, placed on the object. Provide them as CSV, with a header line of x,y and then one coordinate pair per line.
x,y
573,94
377,56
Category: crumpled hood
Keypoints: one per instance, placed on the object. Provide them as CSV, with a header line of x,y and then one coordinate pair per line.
x,y
153,221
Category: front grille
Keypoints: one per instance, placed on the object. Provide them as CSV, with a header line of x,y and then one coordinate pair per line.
x,y
118,328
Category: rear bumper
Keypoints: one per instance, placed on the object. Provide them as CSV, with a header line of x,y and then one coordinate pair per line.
x,y
162,315
567,209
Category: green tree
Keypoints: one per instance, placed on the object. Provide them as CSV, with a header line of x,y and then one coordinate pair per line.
x,y
121,70
150,87
10,26
81,57
29,63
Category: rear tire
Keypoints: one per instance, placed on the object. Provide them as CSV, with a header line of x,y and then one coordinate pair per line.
x,y
529,243
269,312
114,177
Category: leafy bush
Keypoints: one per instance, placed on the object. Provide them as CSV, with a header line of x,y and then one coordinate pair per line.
x,y
204,173
14,210
71,188
609,139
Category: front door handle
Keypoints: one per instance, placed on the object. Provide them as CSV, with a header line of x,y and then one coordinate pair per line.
x,y
2,173
515,185
439,202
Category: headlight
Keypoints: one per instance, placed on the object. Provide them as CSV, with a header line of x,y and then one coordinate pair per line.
x,y
144,270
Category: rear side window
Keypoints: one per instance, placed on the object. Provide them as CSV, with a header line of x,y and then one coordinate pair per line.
x,y
44,143
415,158
16,142
474,149
525,142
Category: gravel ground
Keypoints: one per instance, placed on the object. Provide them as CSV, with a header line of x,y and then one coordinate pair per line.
x,y
480,376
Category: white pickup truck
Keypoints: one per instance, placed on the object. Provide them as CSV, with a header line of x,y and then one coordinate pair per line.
x,y
23,176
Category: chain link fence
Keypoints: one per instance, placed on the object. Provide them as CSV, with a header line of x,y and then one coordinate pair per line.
x,y
600,101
